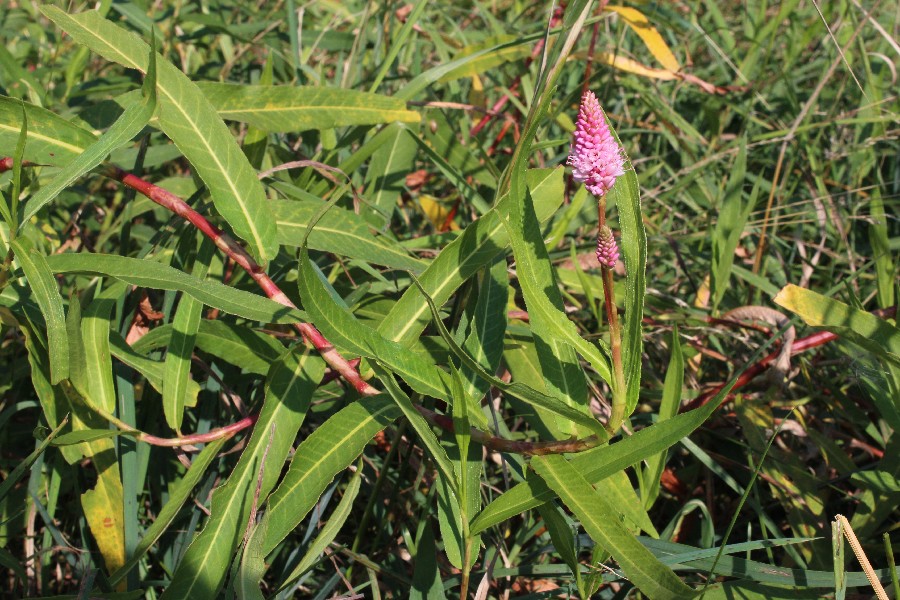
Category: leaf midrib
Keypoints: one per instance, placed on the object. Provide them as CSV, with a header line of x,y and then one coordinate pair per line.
x,y
321,463
54,141
247,474
166,65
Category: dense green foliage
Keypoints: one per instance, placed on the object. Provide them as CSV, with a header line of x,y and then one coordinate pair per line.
x,y
299,300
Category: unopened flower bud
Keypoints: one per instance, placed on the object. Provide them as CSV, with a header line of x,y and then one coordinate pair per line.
x,y
607,249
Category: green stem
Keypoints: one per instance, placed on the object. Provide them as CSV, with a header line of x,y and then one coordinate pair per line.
x,y
617,412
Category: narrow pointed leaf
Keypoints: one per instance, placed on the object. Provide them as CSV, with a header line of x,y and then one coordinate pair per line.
x,y
126,127
181,346
598,463
289,388
343,329
327,451
599,518
518,390
95,330
340,232
178,494
286,108
52,140
476,247
46,294
329,531
154,275
864,329
152,370
190,121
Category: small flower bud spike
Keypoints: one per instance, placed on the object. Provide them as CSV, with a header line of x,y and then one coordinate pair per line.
x,y
607,249
595,156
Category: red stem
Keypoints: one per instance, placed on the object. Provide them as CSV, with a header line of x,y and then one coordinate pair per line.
x,y
240,256
200,438
811,341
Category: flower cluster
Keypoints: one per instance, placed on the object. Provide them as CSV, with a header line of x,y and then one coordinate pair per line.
x,y
595,157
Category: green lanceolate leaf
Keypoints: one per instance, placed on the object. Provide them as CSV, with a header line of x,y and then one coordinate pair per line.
x,y
488,329
238,345
599,463
600,519
154,275
43,287
329,531
95,330
555,336
421,426
885,267
126,127
252,567
732,217
386,175
178,494
340,232
289,388
327,451
518,390
625,195
188,118
103,504
52,140
455,511
181,346
863,329
340,326
668,408
476,247
298,108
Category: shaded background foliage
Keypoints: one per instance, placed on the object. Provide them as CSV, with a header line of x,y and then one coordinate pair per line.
x,y
763,139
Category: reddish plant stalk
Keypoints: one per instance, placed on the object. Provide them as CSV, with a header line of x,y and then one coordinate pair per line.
x,y
236,253
819,338
617,411
346,369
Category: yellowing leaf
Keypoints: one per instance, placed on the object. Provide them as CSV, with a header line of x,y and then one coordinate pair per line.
x,y
103,506
864,329
649,35
436,212
632,66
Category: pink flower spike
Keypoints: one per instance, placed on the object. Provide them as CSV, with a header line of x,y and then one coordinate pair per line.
x,y
607,249
595,156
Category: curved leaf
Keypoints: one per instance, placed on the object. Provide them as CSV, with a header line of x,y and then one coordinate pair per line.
x,y
46,294
340,232
289,388
52,140
128,125
321,456
600,519
285,108
477,246
188,118
149,274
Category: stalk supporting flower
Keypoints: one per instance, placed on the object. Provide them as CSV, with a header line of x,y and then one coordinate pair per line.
x,y
597,161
